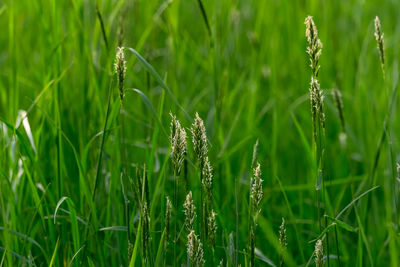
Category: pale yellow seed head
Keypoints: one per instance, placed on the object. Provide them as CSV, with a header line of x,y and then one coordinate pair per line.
x,y
178,144
282,234
190,211
120,70
256,190
212,228
318,253
207,178
314,48
380,41
195,250
199,139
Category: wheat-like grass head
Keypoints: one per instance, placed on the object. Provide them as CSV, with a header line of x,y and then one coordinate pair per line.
x,y
314,48
207,178
282,235
190,211
256,190
120,70
212,228
380,40
179,145
199,139
195,250
318,253
317,100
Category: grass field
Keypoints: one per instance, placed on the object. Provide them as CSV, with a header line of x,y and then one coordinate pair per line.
x,y
105,162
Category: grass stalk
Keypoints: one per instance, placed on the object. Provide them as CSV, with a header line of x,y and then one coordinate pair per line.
x,y
176,177
337,246
327,239
98,171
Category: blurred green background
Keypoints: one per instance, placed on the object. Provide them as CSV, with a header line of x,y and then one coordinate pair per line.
x,y
248,77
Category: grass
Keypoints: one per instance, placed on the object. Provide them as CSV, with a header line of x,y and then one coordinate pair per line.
x,y
85,171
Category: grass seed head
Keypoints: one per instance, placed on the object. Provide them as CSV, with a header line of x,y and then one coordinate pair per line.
x,y
130,249
314,48
199,139
190,212
282,235
318,253
256,190
313,114
195,250
179,145
212,228
207,179
317,101
380,41
120,70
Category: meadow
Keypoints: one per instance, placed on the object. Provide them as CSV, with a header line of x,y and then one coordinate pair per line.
x,y
199,133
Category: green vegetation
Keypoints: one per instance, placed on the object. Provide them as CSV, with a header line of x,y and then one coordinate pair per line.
x,y
170,133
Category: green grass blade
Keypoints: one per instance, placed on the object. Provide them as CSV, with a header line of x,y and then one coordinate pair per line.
x,y
158,78
136,245
53,257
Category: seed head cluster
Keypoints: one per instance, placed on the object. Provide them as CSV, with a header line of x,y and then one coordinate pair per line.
x,y
314,50
318,252
195,250
199,139
120,70
256,190
212,228
256,195
190,212
380,40
207,179
317,99
282,234
178,143
130,249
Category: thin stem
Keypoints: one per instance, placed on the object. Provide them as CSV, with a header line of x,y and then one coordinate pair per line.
x,y
185,173
203,220
252,226
127,219
237,223
98,172
319,209
337,245
327,240
176,213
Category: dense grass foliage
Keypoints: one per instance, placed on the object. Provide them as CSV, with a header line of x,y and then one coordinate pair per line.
x,y
87,160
